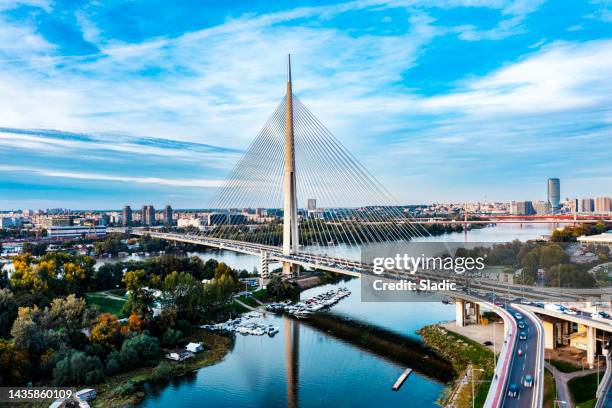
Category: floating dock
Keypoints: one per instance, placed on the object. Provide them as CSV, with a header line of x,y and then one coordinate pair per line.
x,y
401,379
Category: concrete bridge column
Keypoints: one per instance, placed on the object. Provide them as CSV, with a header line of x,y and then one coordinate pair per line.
x,y
549,335
460,312
290,270
591,346
264,267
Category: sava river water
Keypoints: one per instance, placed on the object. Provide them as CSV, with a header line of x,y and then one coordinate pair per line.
x,y
304,367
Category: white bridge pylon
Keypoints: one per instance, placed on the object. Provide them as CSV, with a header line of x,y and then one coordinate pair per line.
x,y
290,213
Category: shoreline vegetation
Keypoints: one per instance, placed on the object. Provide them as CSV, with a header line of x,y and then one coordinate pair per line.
x,y
131,388
467,358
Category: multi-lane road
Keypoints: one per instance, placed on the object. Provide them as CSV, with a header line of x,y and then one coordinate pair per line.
x,y
526,364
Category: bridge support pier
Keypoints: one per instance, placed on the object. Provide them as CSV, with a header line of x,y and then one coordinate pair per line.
x,y
591,346
460,312
290,270
264,267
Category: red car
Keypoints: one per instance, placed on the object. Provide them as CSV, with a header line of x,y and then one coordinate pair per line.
x,y
520,352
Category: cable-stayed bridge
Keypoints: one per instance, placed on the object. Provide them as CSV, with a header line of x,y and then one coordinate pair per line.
x,y
294,157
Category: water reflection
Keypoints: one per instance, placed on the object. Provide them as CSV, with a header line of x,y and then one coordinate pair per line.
x,y
292,360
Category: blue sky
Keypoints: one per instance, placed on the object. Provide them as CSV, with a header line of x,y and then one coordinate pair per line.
x,y
130,102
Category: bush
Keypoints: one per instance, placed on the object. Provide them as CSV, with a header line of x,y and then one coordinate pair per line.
x,y
77,368
171,337
138,350
127,388
162,371
112,363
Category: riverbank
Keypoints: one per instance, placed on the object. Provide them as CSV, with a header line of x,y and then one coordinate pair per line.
x,y
130,388
472,361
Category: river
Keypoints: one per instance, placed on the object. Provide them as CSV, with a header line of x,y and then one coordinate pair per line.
x,y
304,367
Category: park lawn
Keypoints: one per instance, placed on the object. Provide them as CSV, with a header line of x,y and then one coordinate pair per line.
x,y
550,388
583,390
565,366
106,303
248,300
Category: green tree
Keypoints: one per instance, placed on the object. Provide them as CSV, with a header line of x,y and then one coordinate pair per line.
x,y
77,368
282,289
184,292
27,335
551,255
139,350
140,298
8,311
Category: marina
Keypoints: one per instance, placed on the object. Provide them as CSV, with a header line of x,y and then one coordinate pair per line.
x,y
307,307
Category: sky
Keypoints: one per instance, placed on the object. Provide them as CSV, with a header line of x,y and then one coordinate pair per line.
x,y
108,103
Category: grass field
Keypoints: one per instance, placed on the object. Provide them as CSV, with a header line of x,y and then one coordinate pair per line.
x,y
549,390
564,366
583,390
108,303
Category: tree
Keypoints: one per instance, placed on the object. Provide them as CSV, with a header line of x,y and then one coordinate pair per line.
x,y
8,311
531,264
552,255
140,299
70,313
34,249
77,368
282,289
139,350
223,269
569,275
184,292
14,364
27,335
109,275
134,325
107,331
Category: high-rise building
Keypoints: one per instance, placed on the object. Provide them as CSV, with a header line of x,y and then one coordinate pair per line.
x,y
147,215
312,204
554,193
542,207
522,208
572,205
587,205
126,216
168,215
603,204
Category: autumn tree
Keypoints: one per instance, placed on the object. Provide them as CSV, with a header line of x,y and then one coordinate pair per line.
x,y
107,331
134,325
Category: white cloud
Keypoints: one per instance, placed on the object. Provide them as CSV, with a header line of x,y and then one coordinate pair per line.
x,y
562,76
113,178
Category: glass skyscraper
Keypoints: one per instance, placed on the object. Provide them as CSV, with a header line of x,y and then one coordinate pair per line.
x,y
554,193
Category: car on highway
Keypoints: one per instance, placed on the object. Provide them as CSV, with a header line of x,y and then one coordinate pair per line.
x,y
513,391
520,352
525,302
604,315
518,316
528,382
522,336
570,312
498,303
521,325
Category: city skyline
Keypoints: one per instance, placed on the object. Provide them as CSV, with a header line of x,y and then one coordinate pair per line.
x,y
523,95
